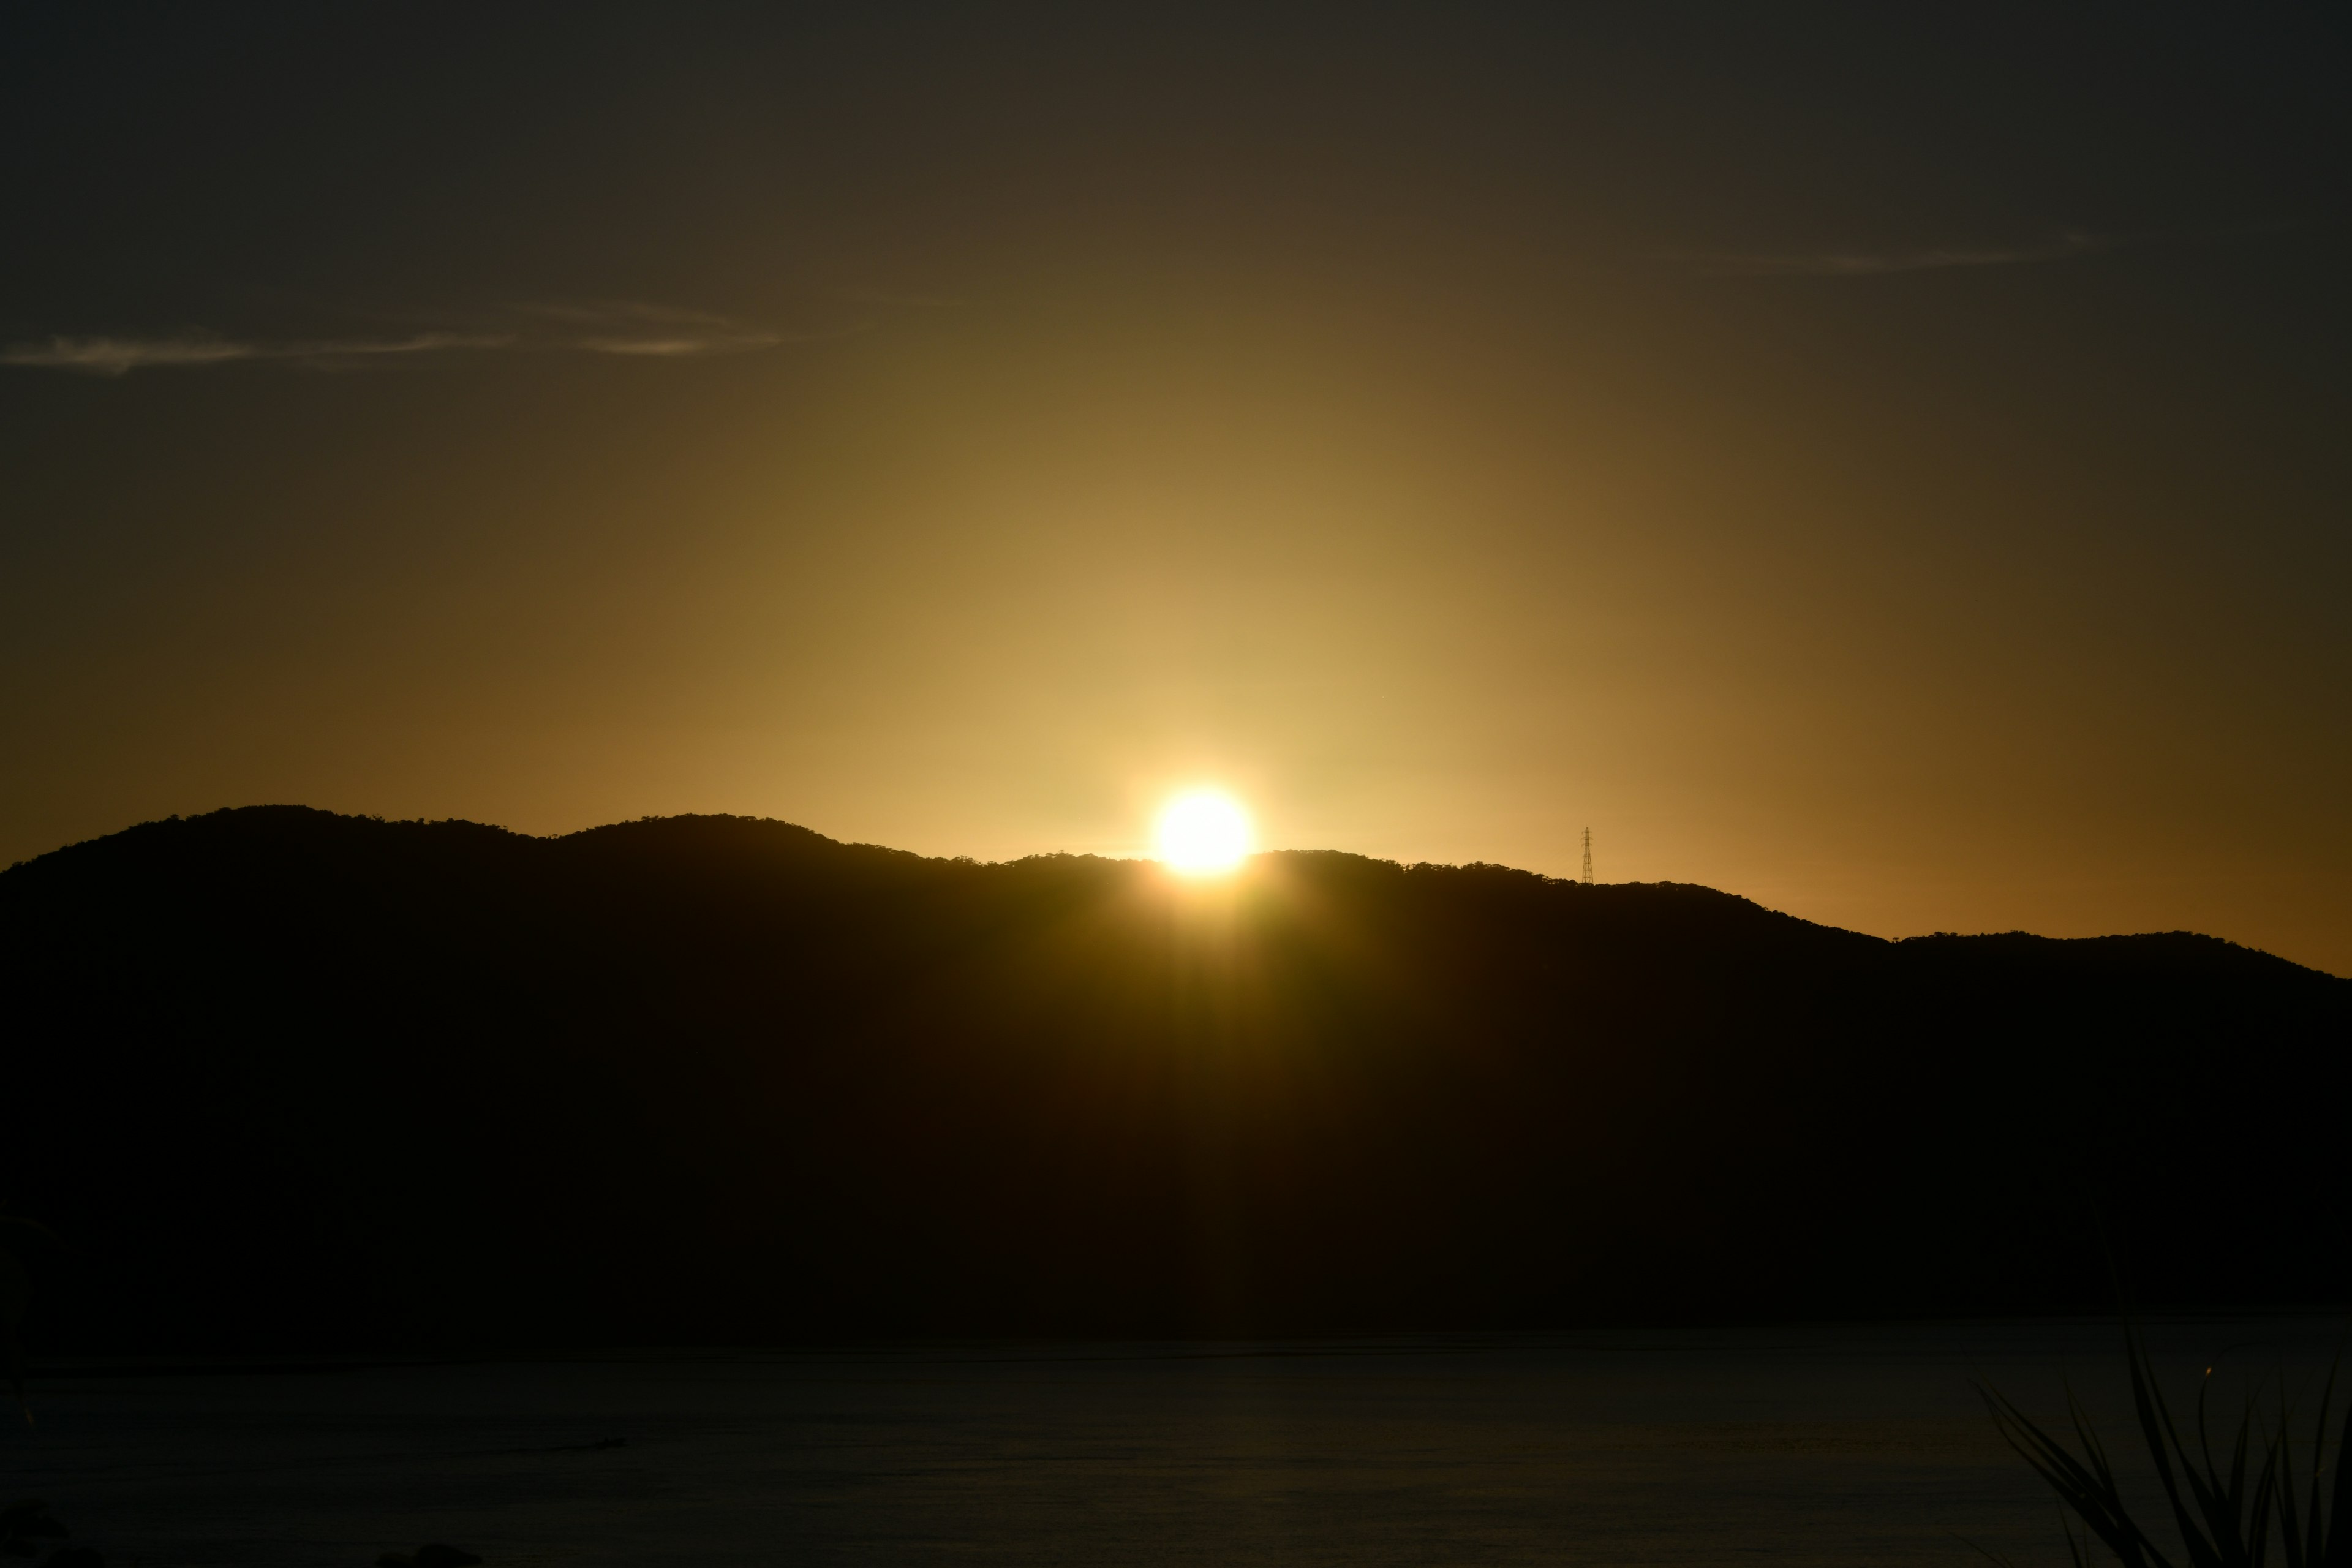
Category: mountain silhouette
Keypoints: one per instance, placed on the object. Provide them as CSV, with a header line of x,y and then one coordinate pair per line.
x,y
279,1079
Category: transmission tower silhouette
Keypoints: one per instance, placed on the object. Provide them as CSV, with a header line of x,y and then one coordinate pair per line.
x,y
1588,857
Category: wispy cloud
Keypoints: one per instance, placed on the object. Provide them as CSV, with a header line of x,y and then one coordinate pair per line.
x,y
900,298
116,356
598,312
635,328
423,343
626,328
112,356
1878,263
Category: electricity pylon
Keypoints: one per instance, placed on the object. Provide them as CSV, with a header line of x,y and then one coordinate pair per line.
x,y
1588,857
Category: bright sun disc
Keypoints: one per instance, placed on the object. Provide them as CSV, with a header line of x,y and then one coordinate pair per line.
x,y
1203,832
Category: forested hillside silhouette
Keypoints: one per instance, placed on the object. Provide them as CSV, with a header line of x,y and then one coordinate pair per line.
x,y
278,1079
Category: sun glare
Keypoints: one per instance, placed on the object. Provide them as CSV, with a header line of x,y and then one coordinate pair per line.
x,y
1203,834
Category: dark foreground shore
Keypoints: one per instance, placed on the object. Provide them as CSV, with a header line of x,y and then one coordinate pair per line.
x,y
1825,1445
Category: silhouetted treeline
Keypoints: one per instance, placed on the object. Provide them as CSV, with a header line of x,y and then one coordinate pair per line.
x,y
281,1078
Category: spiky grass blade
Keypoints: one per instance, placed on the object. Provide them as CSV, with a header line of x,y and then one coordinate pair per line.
x,y
2086,1486
2222,1512
2334,1549
2215,1534
2163,1441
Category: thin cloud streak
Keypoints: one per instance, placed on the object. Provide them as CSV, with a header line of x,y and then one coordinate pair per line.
x,y
604,311
424,342
676,348
114,356
1876,263
623,328
118,356
681,345
901,299
635,328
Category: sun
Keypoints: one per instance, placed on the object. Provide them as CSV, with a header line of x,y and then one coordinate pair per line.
x,y
1203,832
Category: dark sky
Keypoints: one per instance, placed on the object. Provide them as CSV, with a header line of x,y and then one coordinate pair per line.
x,y
1888,461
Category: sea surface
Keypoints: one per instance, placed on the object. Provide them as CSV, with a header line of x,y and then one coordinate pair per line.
x,y
1825,1444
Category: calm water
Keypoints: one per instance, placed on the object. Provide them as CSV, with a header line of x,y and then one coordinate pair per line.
x,y
1822,1445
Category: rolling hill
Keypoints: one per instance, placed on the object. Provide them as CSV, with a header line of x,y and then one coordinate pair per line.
x,y
285,1079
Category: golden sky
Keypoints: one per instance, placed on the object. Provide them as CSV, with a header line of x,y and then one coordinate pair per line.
x,y
1896,474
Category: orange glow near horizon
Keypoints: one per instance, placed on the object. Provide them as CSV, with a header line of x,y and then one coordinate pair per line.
x,y
938,435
